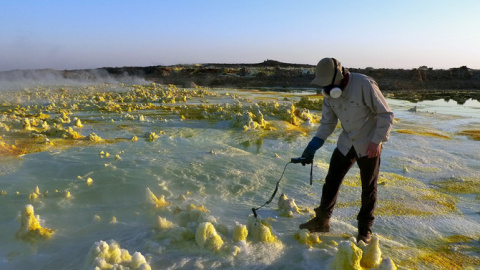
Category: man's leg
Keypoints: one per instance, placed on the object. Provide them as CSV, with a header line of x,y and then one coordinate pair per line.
x,y
339,166
369,169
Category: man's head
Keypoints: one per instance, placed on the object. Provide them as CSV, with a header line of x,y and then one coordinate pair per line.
x,y
328,75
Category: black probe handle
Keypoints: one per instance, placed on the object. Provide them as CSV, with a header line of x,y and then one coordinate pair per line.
x,y
299,160
305,161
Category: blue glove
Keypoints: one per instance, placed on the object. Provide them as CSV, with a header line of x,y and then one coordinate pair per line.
x,y
312,147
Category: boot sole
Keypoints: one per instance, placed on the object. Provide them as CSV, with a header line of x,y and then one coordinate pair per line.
x,y
320,230
316,229
366,241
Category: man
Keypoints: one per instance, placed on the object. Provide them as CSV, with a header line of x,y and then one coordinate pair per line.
x,y
366,119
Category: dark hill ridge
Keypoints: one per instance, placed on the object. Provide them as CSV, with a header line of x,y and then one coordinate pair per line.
x,y
272,74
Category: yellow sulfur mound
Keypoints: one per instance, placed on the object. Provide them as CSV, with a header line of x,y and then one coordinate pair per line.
x,y
78,123
113,220
207,237
372,255
200,208
89,181
151,136
97,218
259,229
240,233
305,237
109,255
71,134
94,137
164,224
33,197
387,264
153,200
139,262
348,257
26,124
30,229
287,206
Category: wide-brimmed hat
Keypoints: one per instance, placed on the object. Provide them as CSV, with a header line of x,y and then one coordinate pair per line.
x,y
325,70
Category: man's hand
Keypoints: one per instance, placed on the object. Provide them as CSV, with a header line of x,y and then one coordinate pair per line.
x,y
374,150
312,147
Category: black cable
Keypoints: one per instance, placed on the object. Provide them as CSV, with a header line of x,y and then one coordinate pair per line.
x,y
311,174
274,192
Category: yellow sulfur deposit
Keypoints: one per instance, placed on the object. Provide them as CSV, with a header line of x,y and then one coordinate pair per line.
x,y
259,229
7,149
139,262
348,257
26,124
151,136
435,134
287,206
94,137
459,185
387,264
153,200
473,134
33,197
243,113
240,233
200,208
372,255
30,229
420,200
207,237
305,237
113,220
78,123
190,218
71,134
109,255
163,223
89,181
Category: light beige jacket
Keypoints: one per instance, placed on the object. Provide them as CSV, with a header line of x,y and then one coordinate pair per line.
x,y
363,112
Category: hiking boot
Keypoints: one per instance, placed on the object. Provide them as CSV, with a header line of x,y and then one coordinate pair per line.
x,y
364,235
316,224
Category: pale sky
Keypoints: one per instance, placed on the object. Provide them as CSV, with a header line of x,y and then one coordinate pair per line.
x,y
379,33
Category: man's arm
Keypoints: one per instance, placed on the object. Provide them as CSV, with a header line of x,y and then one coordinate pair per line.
x,y
375,100
328,123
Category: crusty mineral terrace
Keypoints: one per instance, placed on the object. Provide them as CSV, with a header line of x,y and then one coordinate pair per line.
x,y
41,118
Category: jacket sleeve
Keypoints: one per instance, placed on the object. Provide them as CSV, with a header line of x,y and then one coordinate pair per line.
x,y
328,123
375,100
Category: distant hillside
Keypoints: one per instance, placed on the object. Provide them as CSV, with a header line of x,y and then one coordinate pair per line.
x,y
272,73
268,74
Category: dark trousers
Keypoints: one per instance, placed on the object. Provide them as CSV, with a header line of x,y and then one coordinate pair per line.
x,y
339,166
